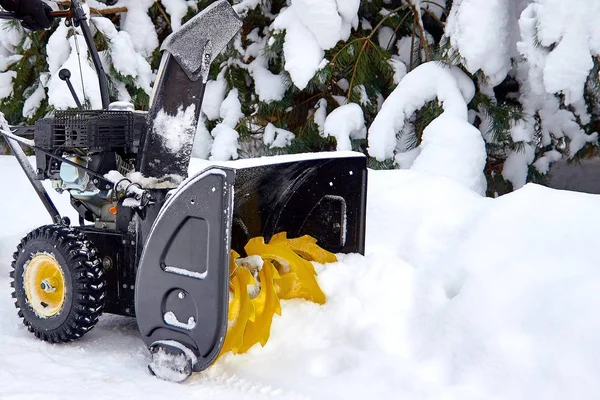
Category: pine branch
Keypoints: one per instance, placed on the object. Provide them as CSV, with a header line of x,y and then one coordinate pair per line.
x,y
419,23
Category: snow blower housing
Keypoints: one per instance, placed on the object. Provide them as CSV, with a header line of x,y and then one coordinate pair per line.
x,y
178,253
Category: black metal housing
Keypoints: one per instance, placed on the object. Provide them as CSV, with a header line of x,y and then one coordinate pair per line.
x,y
92,131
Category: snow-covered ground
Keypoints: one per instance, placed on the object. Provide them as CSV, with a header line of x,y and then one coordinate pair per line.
x,y
458,297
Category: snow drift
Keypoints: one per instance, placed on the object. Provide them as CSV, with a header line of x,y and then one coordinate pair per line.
x,y
458,297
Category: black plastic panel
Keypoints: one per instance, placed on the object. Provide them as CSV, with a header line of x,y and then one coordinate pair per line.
x,y
324,198
182,283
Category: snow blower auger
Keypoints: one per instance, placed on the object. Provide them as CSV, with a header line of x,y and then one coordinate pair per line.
x,y
201,262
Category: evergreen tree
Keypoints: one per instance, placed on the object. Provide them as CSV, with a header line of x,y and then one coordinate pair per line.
x,y
296,61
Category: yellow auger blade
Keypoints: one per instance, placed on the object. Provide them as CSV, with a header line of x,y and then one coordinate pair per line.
x,y
283,270
241,309
306,246
266,304
297,274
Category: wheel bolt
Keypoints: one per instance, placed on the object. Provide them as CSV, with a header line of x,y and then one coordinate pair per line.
x,y
47,287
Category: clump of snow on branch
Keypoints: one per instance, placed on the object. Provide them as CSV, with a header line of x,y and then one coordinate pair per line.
x,y
344,123
480,31
231,109
569,29
33,101
177,9
124,59
303,55
277,137
312,26
225,144
541,75
202,141
269,86
72,54
9,40
6,79
139,25
214,94
450,146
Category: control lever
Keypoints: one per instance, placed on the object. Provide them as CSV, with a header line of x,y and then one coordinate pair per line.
x,y
65,75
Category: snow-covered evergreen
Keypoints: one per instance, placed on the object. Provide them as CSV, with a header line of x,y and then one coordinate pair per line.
x,y
295,62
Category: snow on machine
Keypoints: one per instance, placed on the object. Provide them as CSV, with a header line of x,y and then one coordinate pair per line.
x,y
201,262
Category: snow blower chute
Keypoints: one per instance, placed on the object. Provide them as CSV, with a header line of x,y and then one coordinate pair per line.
x,y
201,262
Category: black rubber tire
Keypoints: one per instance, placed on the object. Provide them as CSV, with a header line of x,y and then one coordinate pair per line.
x,y
85,288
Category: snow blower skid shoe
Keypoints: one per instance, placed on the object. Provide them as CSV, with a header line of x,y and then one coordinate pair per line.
x,y
202,262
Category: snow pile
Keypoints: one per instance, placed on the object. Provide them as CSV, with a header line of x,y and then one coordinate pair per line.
x,y
434,310
450,146
344,123
312,26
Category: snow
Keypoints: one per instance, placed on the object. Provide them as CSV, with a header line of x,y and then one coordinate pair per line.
x,y
433,310
312,26
399,69
177,10
58,94
176,130
344,123
302,52
202,140
138,24
569,28
489,52
269,86
320,115
124,59
277,137
244,5
33,101
6,79
225,143
214,94
198,165
11,35
455,149
321,18
450,146
231,109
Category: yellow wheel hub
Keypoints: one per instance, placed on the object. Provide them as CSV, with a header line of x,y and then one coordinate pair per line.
x,y
44,284
280,269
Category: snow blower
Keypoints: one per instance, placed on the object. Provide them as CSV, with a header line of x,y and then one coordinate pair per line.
x,y
201,262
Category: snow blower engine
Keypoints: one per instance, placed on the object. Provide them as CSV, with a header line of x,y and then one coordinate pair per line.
x,y
201,262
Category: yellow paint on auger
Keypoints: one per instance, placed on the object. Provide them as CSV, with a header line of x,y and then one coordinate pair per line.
x,y
286,272
241,310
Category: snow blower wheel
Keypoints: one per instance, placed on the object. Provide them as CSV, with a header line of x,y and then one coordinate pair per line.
x,y
58,284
